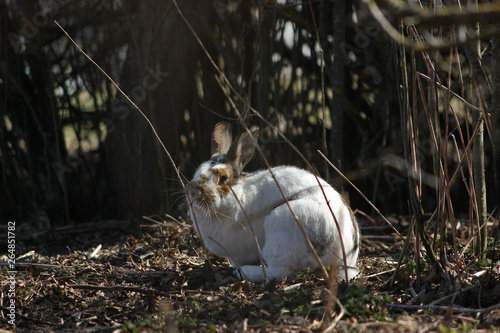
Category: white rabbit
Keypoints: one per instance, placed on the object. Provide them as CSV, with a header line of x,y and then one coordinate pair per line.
x,y
244,217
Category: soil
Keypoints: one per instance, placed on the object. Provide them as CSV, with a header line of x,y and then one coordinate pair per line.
x,y
154,276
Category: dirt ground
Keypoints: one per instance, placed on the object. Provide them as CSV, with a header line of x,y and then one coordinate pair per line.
x,y
153,276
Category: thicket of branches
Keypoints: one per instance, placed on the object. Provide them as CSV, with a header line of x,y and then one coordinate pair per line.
x,y
402,96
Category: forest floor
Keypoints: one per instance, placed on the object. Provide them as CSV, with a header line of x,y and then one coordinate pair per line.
x,y
112,277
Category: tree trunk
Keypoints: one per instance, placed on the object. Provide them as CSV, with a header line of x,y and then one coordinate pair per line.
x,y
480,188
337,79
495,114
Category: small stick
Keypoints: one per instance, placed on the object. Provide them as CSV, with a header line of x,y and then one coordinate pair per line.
x,y
33,265
96,251
28,318
122,288
268,166
443,308
379,273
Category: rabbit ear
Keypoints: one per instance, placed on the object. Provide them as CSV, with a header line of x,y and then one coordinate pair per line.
x,y
222,136
242,149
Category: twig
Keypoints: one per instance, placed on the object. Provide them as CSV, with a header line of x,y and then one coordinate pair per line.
x,y
122,288
377,274
175,293
257,243
268,166
440,85
147,218
337,318
29,318
379,237
361,193
443,308
33,265
390,282
96,251
339,230
453,15
454,294
429,42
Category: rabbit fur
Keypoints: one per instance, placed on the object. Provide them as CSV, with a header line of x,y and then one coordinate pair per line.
x,y
244,217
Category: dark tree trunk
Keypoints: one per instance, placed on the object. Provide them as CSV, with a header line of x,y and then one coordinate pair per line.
x,y
495,113
337,79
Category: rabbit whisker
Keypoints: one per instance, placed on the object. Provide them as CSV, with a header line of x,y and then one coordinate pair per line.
x,y
180,200
205,209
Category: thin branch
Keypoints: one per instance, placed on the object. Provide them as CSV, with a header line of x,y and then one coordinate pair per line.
x,y
361,193
122,288
261,258
473,107
452,15
430,42
33,265
339,230
268,166
27,318
335,321
444,308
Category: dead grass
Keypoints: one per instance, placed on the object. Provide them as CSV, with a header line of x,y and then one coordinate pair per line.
x,y
155,279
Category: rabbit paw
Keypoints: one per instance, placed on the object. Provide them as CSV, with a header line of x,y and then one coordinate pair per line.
x,y
251,273
352,272
260,273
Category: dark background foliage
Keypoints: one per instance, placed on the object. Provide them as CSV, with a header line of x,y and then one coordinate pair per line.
x,y
323,72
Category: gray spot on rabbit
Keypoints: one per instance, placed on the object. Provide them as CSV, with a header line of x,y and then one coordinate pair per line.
x,y
322,246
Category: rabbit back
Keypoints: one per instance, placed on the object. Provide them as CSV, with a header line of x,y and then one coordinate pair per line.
x,y
314,204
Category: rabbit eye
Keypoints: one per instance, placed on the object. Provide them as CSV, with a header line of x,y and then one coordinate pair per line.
x,y
222,180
